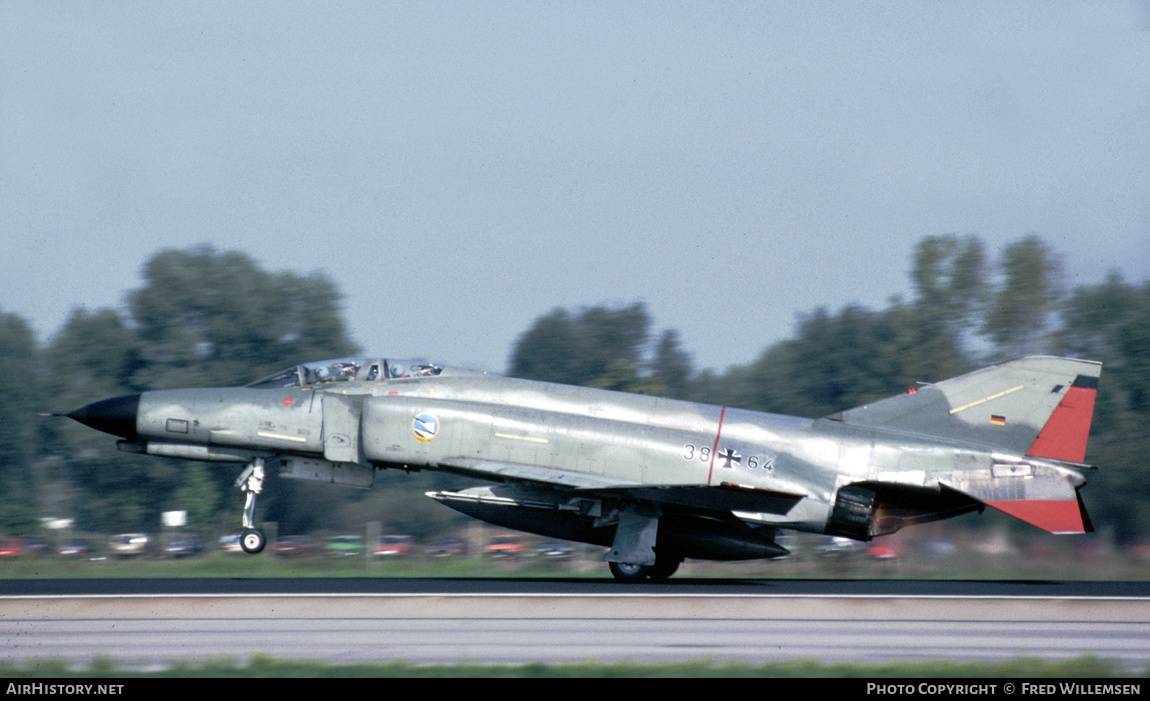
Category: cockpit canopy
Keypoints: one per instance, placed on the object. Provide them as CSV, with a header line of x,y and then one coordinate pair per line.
x,y
347,370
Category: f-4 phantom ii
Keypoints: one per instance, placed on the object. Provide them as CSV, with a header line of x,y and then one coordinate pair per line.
x,y
654,480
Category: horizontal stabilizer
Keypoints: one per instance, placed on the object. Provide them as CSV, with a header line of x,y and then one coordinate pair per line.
x,y
1049,502
1053,515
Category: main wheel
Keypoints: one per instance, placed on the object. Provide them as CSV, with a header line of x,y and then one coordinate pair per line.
x,y
253,541
664,567
629,571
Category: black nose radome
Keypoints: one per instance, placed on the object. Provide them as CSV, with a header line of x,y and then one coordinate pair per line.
x,y
116,416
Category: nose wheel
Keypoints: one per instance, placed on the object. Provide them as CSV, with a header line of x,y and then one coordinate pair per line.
x,y
251,483
253,541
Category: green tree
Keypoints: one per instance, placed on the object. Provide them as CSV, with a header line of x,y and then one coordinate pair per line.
x,y
20,367
548,350
672,365
1021,311
598,347
199,495
206,317
949,278
94,355
836,361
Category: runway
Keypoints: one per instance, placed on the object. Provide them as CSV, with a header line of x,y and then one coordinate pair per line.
x,y
151,624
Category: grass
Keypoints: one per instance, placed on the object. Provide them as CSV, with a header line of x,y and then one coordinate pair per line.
x,y
588,564
262,666
266,565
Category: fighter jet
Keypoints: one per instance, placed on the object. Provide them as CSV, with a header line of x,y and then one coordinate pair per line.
x,y
654,480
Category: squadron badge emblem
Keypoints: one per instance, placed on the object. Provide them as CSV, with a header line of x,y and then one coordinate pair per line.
x,y
425,427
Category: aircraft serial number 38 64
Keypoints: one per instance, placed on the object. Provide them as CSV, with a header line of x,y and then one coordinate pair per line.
x,y
655,480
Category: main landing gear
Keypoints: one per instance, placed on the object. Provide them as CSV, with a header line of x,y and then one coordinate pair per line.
x,y
634,555
251,482
629,572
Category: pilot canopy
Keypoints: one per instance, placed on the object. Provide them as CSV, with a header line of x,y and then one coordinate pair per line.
x,y
347,370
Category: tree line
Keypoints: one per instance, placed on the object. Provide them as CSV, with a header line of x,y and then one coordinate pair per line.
x,y
205,317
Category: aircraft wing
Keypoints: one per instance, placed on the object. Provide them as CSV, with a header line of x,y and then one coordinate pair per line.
x,y
723,497
519,472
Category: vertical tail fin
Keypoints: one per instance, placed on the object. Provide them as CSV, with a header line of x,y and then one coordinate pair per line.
x,y
1039,406
1035,407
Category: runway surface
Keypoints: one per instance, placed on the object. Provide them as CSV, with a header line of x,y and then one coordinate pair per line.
x,y
154,623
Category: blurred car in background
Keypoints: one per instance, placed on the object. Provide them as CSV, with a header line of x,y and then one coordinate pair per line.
x,y
11,548
505,547
74,547
1139,551
126,545
229,543
556,549
447,547
294,546
344,546
181,545
394,546
35,545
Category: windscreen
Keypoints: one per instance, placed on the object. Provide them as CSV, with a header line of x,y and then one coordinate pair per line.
x,y
347,370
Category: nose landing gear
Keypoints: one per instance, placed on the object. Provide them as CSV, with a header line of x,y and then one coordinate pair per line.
x,y
251,482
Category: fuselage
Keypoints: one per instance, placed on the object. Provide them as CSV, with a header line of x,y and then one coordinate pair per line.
x,y
456,419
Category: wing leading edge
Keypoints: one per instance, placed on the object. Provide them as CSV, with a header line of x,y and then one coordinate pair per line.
x,y
722,497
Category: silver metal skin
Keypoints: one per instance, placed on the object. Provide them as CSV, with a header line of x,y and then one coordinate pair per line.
x,y
655,480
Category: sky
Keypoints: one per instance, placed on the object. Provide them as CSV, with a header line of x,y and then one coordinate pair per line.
x,y
461,168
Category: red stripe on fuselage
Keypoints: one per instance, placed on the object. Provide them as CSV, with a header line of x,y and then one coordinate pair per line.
x,y
1064,435
715,447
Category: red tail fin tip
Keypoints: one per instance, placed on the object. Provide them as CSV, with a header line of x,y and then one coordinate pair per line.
x,y
1065,433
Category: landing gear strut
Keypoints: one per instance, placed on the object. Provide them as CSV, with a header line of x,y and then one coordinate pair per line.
x,y
251,482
